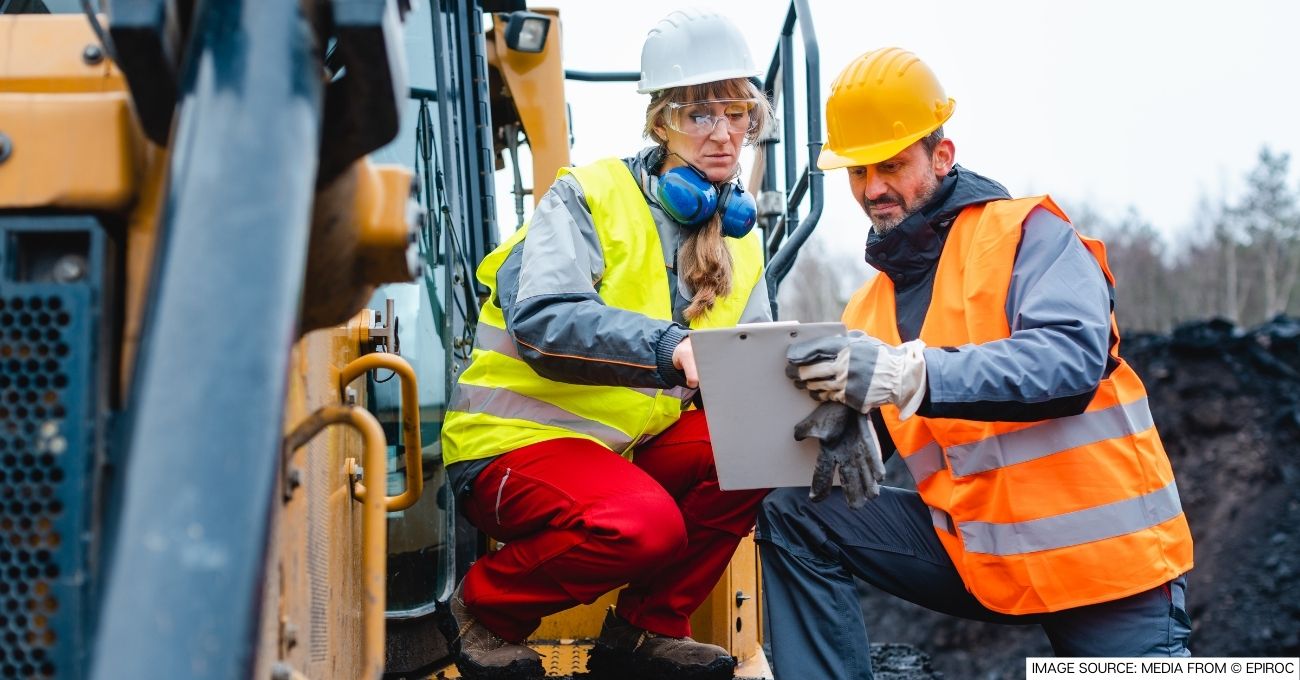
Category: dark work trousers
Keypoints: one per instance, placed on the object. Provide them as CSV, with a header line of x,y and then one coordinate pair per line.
x,y
578,520
811,552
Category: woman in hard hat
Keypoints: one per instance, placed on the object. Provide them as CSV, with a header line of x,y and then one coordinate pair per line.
x,y
571,436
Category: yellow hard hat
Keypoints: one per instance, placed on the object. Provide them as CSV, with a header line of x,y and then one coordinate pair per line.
x,y
880,104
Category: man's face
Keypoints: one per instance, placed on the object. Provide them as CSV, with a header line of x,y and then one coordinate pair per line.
x,y
892,190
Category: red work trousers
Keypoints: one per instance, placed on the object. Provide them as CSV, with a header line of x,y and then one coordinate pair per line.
x,y
578,520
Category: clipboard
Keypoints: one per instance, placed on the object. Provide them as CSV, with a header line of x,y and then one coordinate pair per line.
x,y
752,407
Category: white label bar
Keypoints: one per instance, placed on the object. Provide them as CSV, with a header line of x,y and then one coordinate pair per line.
x,y
1191,668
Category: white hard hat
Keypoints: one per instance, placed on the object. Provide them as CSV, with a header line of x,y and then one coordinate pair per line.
x,y
690,47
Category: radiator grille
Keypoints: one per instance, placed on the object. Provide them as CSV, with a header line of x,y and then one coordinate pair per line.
x,y
36,458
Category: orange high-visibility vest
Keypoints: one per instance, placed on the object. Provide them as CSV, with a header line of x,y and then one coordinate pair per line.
x,y
1039,516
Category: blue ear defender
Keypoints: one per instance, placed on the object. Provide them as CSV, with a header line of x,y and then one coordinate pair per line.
x,y
691,199
687,195
739,212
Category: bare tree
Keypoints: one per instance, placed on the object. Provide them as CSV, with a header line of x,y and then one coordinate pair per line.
x,y
1202,272
1229,239
1136,255
821,282
1240,259
1268,211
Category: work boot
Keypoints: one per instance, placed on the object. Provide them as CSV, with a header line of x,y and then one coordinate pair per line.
x,y
482,654
624,651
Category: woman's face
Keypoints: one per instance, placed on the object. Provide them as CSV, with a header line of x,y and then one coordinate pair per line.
x,y
706,134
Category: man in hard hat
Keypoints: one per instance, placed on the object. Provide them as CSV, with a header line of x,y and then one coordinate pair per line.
x,y
987,355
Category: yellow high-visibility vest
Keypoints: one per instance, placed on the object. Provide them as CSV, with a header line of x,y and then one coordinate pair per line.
x,y
501,404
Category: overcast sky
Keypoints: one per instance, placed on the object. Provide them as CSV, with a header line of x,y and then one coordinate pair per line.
x,y
1110,103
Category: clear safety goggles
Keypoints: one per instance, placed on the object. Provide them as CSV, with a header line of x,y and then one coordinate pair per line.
x,y
701,118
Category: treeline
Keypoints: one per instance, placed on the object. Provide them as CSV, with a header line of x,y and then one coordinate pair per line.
x,y
1239,260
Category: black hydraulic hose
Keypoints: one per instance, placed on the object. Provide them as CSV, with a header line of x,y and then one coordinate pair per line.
x,y
92,15
781,263
788,112
603,76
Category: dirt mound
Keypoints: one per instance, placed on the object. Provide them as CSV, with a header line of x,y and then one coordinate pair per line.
x,y
1227,404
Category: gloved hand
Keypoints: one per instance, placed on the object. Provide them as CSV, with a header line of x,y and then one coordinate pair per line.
x,y
860,371
849,444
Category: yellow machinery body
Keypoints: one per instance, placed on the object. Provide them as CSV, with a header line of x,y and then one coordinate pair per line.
x,y
76,145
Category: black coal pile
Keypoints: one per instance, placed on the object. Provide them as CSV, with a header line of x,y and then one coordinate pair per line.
x,y
902,662
1227,404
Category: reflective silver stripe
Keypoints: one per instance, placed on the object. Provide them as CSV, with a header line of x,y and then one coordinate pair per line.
x,y
488,337
682,393
501,490
1073,528
926,461
942,520
504,403
1050,437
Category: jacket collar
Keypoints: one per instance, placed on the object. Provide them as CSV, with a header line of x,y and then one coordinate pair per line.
x,y
645,166
909,251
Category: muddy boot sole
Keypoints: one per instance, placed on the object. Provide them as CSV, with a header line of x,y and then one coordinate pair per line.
x,y
515,670
607,663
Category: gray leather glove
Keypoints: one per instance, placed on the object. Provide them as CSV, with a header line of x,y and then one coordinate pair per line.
x,y
860,371
848,444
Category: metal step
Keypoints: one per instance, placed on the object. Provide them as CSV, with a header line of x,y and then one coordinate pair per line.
x,y
568,659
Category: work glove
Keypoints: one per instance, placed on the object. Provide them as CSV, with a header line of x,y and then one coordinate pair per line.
x,y
860,371
848,444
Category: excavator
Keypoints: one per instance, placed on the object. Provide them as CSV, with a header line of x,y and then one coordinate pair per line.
x,y
237,246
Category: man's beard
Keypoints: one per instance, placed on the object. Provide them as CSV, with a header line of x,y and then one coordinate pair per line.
x,y
883,225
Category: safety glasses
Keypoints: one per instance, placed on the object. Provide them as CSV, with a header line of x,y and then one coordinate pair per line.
x,y
699,119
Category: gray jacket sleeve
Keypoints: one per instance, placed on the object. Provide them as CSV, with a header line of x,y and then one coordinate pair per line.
x,y
548,289
1058,308
758,309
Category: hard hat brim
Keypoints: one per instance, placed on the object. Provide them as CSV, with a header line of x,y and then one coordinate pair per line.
x,y
698,79
875,153
869,155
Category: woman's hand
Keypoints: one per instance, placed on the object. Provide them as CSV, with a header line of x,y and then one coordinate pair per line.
x,y
684,361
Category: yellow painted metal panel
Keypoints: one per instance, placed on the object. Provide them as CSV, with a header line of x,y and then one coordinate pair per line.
x,y
567,658
564,639
754,668
46,53
75,151
75,144
559,660
141,237
582,621
536,84
729,618
317,557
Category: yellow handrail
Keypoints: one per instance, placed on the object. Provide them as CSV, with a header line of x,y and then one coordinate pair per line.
x,y
410,420
374,519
